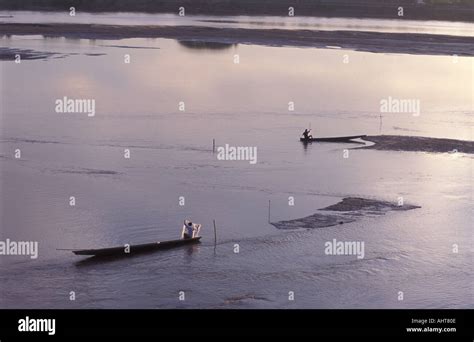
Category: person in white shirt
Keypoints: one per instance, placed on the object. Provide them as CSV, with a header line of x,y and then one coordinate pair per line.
x,y
190,230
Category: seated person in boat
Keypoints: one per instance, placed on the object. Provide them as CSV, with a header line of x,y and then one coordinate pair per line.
x,y
306,135
190,230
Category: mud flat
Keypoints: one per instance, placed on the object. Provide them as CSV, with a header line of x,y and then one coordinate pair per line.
x,y
407,43
418,144
348,210
9,54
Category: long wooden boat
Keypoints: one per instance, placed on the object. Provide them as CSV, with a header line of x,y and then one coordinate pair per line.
x,y
333,139
134,249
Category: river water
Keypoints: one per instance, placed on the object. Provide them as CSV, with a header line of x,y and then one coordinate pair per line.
x,y
136,200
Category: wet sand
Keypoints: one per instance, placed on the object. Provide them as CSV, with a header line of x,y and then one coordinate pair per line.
x,y
348,8
348,210
407,43
9,54
418,144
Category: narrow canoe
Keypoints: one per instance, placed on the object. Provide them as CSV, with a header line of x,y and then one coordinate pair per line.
x,y
134,249
333,139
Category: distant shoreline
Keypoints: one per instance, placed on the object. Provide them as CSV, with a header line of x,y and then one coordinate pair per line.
x,y
345,9
378,42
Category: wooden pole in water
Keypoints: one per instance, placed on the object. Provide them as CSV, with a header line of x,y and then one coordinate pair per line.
x,y
213,145
269,203
215,233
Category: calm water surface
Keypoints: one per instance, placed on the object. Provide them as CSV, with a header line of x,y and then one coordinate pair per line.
x,y
136,200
